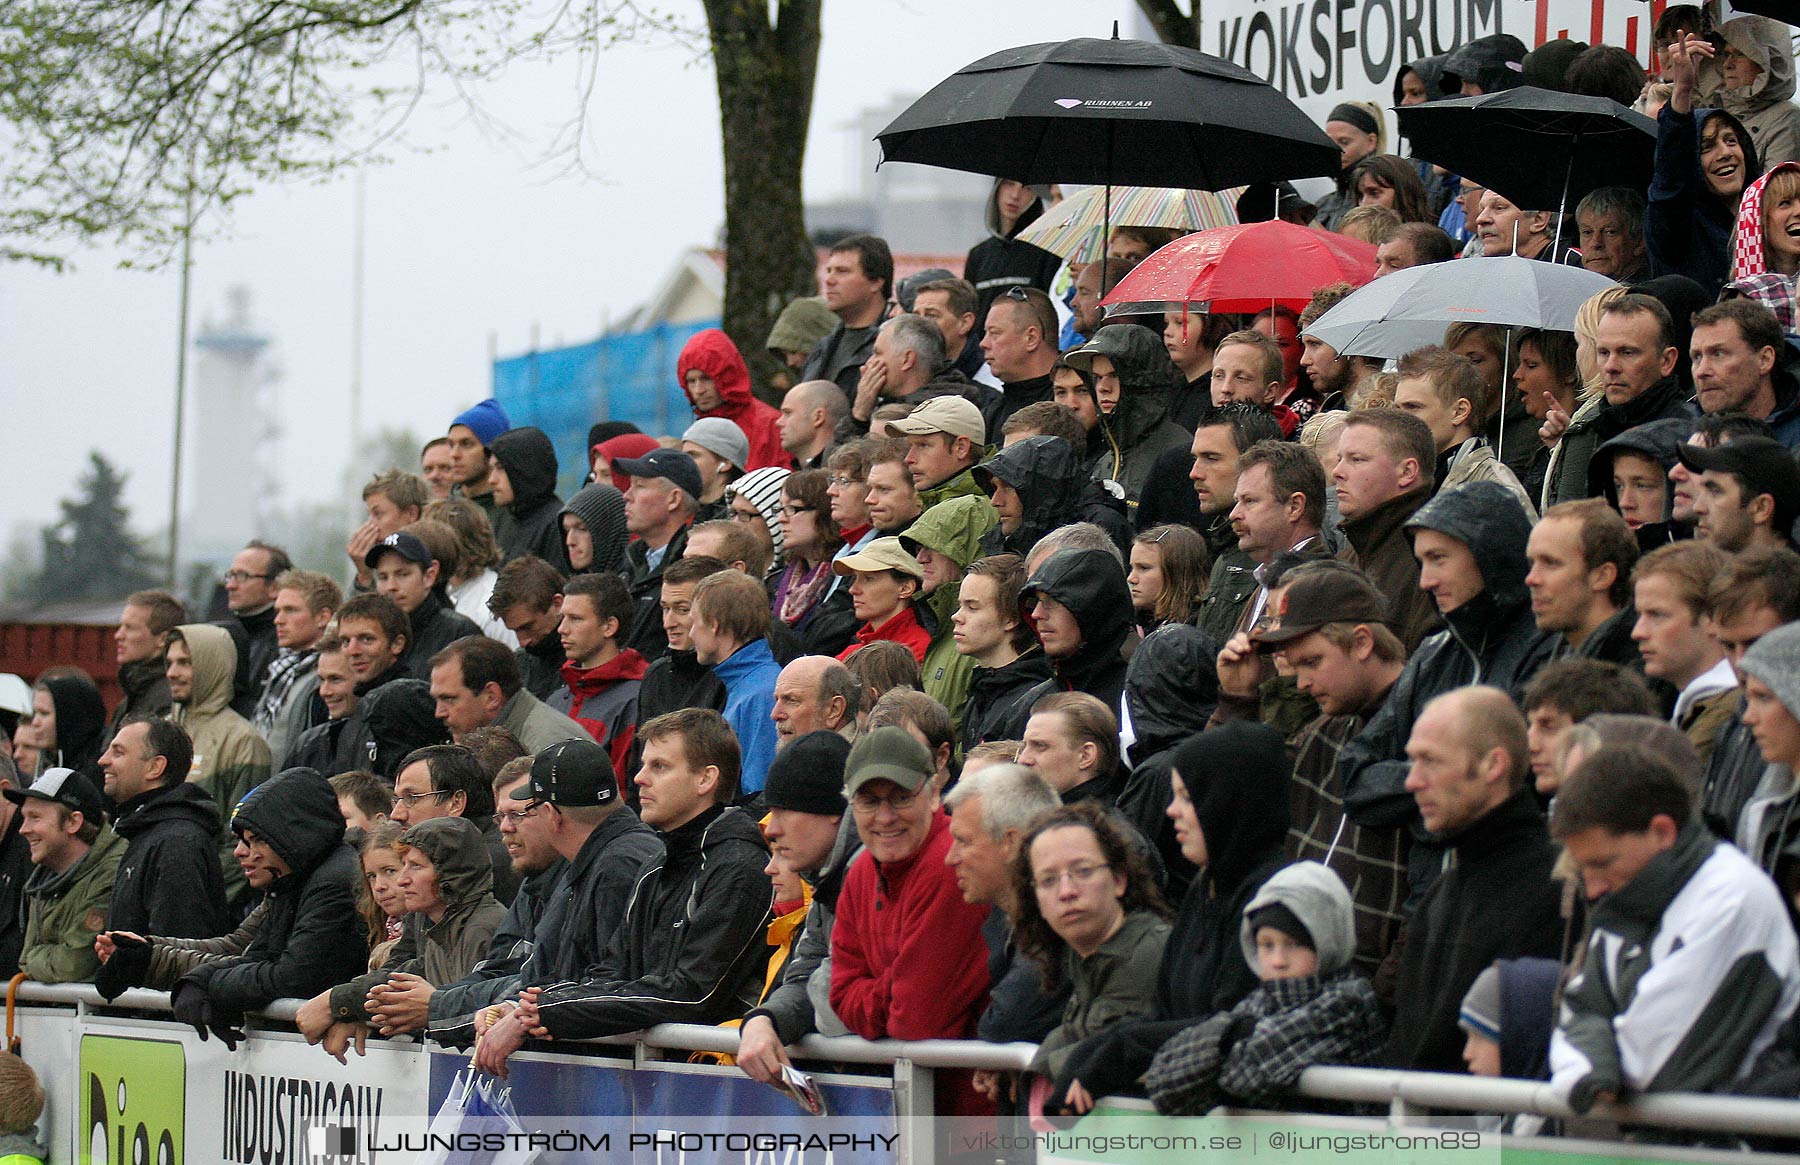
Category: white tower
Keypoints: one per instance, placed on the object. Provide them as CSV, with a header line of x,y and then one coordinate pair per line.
x,y
231,438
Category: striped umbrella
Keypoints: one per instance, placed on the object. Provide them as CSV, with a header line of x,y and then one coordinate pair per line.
x,y
1074,229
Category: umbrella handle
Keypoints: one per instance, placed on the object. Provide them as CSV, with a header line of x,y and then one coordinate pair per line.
x,y
1562,207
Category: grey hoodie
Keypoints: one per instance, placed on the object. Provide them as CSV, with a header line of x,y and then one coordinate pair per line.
x,y
1766,105
1317,897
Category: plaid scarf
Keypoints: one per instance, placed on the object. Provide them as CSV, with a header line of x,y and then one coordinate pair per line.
x,y
287,668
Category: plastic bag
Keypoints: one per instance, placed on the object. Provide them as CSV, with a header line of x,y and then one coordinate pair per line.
x,y
476,1103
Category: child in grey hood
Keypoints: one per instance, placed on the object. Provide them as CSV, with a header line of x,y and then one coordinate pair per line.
x,y
1298,935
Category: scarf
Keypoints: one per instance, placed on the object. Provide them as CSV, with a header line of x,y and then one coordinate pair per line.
x,y
1748,253
285,670
797,593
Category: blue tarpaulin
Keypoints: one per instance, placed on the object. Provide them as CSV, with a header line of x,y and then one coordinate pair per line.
x,y
628,377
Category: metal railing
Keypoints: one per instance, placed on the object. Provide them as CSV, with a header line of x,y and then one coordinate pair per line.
x,y
1409,1097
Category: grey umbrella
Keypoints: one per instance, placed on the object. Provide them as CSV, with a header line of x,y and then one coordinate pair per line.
x,y
1409,309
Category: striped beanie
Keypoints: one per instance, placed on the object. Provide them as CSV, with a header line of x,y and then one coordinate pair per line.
x,y
762,489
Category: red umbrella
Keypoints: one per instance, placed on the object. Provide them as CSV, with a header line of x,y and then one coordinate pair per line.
x,y
1243,268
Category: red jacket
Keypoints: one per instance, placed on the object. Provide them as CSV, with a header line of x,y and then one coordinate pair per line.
x,y
604,700
907,958
902,628
712,352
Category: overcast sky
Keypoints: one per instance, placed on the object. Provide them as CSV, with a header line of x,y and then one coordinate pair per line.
x,y
467,237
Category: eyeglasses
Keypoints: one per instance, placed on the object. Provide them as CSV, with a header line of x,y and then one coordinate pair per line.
x,y
899,802
841,482
411,799
1080,875
244,576
792,511
516,816
1017,293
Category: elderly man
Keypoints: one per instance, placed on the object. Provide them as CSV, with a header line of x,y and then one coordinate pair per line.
x,y
1610,222
991,812
907,355
815,693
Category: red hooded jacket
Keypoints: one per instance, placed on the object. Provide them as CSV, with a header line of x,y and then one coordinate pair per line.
x,y
604,701
713,353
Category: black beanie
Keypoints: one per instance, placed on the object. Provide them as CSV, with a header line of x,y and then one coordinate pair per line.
x,y
808,775
1279,917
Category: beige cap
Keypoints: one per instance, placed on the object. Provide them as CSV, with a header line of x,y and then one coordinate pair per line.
x,y
942,414
881,554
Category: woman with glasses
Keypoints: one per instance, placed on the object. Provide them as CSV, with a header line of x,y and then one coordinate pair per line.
x,y
1088,912
1230,812
810,539
445,883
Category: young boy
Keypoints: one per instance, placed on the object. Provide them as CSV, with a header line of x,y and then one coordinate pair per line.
x,y
21,1103
1507,1016
1312,1008
1563,695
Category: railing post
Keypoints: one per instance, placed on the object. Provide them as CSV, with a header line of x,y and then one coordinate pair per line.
x,y
914,1108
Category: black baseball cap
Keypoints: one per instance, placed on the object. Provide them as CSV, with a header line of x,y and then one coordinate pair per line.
x,y
1318,597
67,788
571,773
671,464
405,545
1766,465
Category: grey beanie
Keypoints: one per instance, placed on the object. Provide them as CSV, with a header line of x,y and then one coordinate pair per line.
x,y
601,508
1775,660
720,437
1480,1011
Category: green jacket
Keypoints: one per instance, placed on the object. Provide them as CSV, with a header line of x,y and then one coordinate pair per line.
x,y
65,910
230,757
960,485
953,527
1116,982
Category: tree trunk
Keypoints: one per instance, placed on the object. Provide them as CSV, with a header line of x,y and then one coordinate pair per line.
x,y
1173,26
765,103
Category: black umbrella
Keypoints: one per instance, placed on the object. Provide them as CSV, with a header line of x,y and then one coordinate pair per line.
x,y
1539,149
1125,112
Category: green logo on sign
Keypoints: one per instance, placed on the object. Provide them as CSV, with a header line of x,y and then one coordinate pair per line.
x,y
133,1102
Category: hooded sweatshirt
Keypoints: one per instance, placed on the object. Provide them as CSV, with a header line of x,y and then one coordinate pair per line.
x,y
1138,430
604,700
1751,275
80,724
1657,440
1236,778
1766,105
601,508
1001,261
1091,584
1492,639
536,528
1171,688
1254,1053
230,759
312,934
441,952
65,909
1687,229
712,352
953,528
1044,473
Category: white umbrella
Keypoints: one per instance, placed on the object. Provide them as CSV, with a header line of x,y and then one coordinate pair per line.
x,y
1409,309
